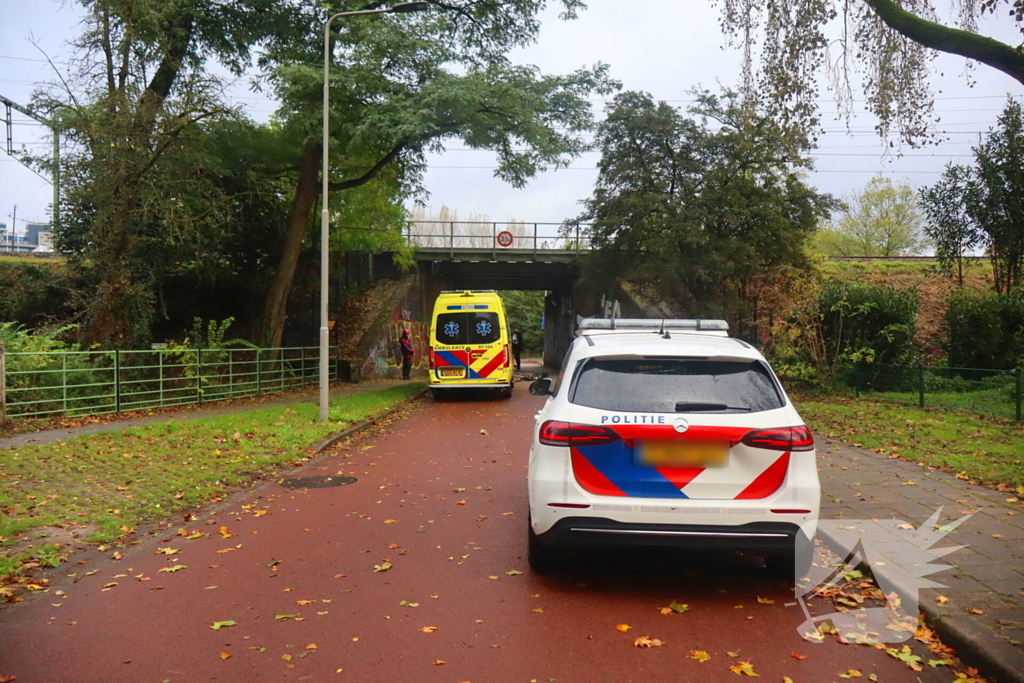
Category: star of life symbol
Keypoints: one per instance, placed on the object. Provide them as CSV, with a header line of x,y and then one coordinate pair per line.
x,y
483,328
451,329
899,557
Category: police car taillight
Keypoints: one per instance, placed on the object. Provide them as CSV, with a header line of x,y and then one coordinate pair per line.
x,y
431,358
781,439
554,433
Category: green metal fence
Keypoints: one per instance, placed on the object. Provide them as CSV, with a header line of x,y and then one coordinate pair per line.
x,y
78,383
988,392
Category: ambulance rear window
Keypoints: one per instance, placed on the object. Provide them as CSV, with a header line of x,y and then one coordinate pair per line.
x,y
675,385
461,329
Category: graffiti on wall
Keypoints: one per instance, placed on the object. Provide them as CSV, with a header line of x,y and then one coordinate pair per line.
x,y
385,357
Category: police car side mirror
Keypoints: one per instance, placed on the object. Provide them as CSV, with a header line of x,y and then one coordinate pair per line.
x,y
541,387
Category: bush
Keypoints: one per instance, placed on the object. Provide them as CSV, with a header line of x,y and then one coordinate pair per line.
x,y
985,330
863,323
843,324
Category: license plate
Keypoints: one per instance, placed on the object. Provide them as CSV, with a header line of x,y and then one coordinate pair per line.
x,y
682,453
451,372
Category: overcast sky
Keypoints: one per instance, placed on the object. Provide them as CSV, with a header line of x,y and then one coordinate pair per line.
x,y
664,47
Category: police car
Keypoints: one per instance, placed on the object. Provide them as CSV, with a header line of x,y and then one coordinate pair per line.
x,y
669,433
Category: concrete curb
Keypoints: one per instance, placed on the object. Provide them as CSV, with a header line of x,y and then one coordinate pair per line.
x,y
975,644
334,438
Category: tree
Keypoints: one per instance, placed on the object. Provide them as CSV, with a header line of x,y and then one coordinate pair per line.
x,y
983,205
891,42
405,85
950,225
705,205
883,220
130,111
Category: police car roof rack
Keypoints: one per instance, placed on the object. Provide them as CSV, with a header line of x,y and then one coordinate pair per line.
x,y
661,327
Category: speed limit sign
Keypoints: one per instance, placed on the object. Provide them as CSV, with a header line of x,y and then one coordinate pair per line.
x,y
505,239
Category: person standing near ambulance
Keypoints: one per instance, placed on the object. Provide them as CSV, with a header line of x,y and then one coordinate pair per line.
x,y
517,347
407,353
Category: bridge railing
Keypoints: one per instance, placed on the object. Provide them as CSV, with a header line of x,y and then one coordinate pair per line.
x,y
496,236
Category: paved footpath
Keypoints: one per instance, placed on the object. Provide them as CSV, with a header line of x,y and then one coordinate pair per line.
x,y
414,572
191,413
987,576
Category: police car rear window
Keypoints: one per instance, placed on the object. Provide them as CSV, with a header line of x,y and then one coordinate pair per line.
x,y
461,329
675,386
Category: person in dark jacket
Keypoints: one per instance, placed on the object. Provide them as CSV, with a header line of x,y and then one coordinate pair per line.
x,y
407,354
517,347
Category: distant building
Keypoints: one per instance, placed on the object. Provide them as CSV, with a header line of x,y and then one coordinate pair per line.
x,y
36,237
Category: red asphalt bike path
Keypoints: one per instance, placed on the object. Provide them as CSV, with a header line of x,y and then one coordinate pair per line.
x,y
451,553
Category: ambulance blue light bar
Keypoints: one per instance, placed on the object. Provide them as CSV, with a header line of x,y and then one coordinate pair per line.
x,y
652,325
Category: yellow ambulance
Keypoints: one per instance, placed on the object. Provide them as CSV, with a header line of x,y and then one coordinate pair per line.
x,y
469,344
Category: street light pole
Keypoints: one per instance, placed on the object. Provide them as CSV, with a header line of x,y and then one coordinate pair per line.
x,y
325,220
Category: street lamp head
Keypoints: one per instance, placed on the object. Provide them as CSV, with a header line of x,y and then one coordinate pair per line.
x,y
410,7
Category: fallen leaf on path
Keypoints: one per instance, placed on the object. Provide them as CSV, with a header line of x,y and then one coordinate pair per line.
x,y
393,546
175,568
796,656
977,611
428,629
225,654
700,655
460,502
218,625
765,601
167,551
744,669
224,532
493,578
647,641
623,627
538,610
390,521
851,673
311,646
941,599
382,567
281,617
678,607
304,602
439,662
513,572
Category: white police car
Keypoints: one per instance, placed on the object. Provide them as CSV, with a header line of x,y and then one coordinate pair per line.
x,y
669,433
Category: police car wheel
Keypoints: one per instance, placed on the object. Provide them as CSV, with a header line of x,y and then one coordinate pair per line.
x,y
437,394
542,559
506,392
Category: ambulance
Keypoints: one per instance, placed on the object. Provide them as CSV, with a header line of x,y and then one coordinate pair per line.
x,y
469,343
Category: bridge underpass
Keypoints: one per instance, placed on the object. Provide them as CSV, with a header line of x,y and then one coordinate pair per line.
x,y
510,271
454,255
503,257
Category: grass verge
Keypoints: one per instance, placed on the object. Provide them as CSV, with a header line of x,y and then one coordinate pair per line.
x,y
978,449
106,484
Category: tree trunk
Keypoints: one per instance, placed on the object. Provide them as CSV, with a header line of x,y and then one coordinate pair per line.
x,y
274,315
